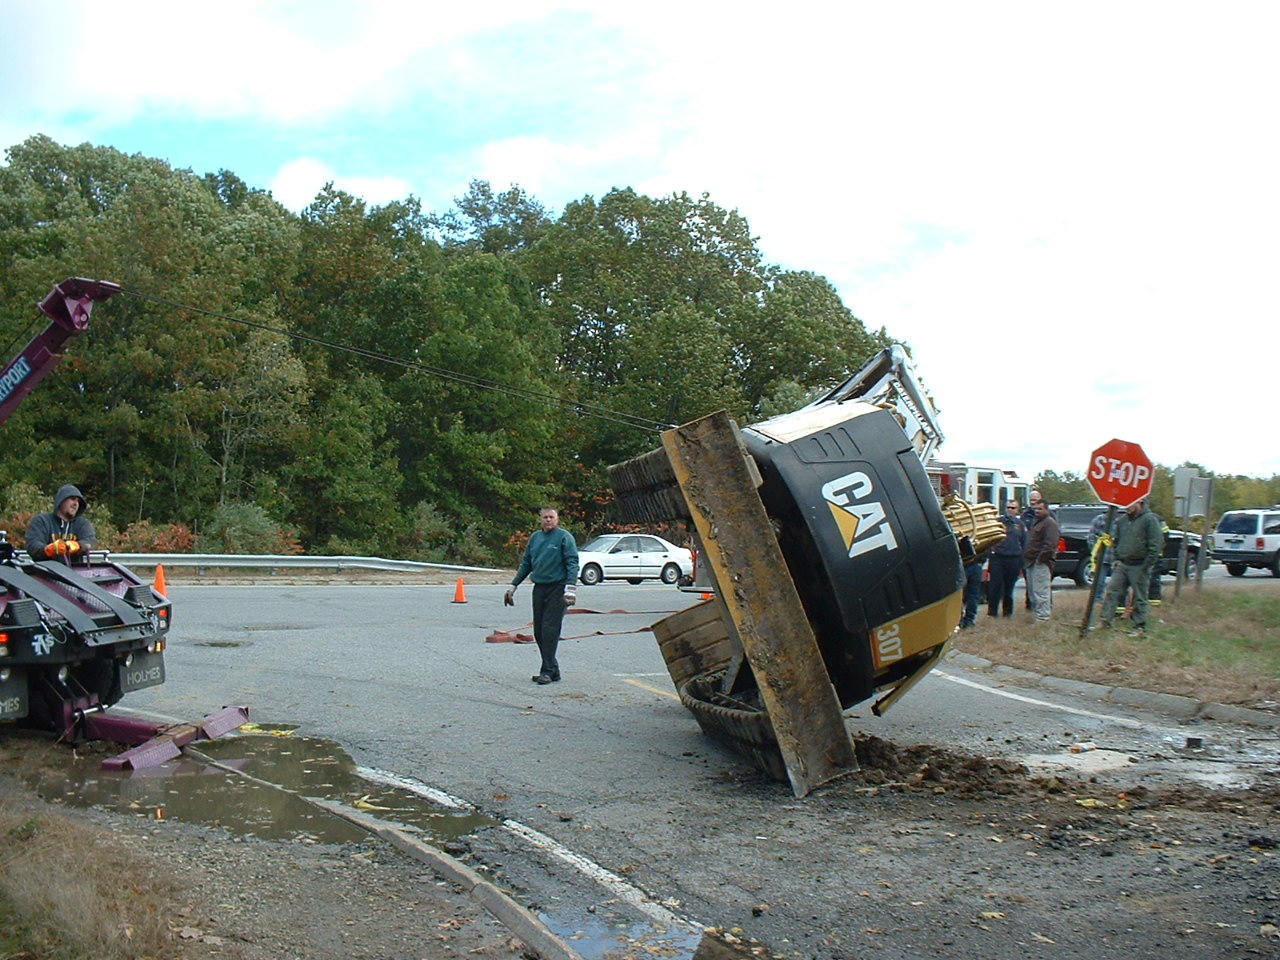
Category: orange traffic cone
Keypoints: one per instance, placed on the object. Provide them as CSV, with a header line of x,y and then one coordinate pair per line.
x,y
459,595
159,586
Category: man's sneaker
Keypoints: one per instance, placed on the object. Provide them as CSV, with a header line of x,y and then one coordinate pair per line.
x,y
1138,632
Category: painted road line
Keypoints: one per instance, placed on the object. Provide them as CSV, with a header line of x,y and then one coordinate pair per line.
x,y
1107,717
620,888
652,689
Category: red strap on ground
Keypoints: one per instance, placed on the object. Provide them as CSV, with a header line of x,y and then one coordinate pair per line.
x,y
503,636
510,636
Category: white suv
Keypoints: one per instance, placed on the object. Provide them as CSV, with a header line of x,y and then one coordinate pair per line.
x,y
1249,538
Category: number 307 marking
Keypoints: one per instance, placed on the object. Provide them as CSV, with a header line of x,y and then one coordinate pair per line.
x,y
888,644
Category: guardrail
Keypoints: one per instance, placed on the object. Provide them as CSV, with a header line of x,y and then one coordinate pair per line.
x,y
204,561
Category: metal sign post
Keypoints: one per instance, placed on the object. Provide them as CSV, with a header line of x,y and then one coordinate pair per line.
x,y
1093,587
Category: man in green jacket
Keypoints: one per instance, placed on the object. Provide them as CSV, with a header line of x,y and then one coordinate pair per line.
x,y
551,557
1139,544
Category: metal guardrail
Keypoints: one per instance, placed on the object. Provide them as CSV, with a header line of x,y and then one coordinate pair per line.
x,y
203,561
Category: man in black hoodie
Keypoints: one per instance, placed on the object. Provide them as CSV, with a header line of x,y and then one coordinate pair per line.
x,y
65,533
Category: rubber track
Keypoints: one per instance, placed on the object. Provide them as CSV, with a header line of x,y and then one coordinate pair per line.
x,y
647,490
737,725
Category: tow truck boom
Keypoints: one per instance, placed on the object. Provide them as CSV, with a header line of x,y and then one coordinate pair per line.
x,y
68,305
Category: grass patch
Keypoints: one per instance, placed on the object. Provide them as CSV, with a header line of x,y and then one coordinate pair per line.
x,y
68,892
1219,644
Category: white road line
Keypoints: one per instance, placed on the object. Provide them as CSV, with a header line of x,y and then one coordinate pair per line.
x,y
627,892
1110,718
620,888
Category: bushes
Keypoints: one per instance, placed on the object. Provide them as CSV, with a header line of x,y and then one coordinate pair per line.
x,y
145,537
245,528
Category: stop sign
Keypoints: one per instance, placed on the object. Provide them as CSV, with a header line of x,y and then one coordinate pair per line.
x,y
1120,473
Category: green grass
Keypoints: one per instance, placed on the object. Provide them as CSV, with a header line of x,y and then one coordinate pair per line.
x,y
1220,644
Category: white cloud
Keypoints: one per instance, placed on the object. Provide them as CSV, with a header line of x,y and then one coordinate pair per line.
x,y
298,182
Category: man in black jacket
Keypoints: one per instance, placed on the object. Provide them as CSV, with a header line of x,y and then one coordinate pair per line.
x,y
64,533
1006,562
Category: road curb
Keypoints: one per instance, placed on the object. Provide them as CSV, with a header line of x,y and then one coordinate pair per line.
x,y
1170,704
531,931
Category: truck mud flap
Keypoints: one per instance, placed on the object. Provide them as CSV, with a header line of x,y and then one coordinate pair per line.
x,y
14,703
143,670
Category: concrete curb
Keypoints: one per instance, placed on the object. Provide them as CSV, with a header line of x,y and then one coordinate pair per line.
x,y
1184,708
531,931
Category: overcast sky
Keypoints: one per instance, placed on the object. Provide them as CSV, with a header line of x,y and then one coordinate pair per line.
x,y
1071,212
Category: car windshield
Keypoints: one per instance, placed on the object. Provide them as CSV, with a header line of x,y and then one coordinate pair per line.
x,y
600,545
1078,516
1238,523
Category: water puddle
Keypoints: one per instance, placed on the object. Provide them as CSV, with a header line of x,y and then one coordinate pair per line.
x,y
605,937
601,939
190,790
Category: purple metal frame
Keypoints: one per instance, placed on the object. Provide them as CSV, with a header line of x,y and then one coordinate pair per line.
x,y
157,742
68,305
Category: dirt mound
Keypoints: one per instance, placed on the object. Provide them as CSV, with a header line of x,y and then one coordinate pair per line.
x,y
931,767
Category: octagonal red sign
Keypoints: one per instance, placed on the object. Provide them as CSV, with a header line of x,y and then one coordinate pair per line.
x,y
1120,473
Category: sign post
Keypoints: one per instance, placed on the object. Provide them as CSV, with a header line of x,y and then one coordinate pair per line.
x,y
1120,473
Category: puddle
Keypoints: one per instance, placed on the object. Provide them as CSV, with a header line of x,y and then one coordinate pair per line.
x,y
600,939
189,790
612,938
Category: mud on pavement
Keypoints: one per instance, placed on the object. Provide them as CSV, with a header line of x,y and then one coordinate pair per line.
x,y
929,852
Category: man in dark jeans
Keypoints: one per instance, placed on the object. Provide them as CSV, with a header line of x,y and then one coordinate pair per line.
x,y
1006,562
1139,543
552,559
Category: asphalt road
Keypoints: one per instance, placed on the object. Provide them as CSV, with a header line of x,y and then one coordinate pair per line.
x,y
615,781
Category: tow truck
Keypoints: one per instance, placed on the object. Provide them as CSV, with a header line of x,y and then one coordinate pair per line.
x,y
75,636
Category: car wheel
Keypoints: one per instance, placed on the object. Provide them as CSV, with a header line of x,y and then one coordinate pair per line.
x,y
1191,568
590,575
635,579
670,573
1275,564
1236,569
1084,574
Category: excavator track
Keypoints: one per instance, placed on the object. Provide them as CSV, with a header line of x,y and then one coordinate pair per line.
x,y
647,490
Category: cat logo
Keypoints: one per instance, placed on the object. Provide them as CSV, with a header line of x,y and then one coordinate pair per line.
x,y
862,522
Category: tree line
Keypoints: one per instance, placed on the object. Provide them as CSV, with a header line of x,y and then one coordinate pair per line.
x,y
379,379
385,380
